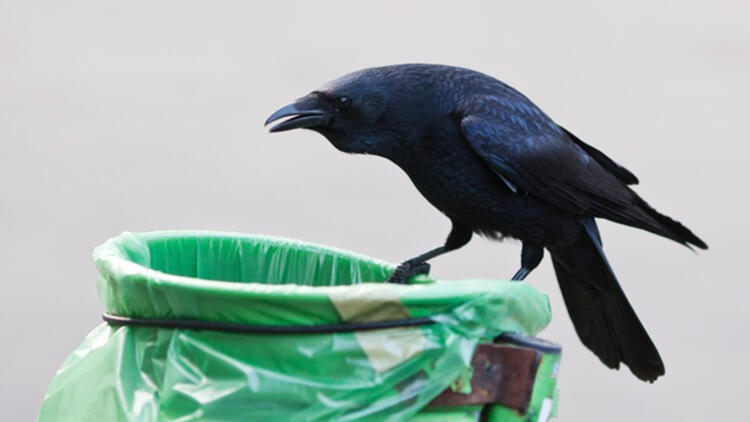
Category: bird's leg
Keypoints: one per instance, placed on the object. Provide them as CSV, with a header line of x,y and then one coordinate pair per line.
x,y
531,256
459,236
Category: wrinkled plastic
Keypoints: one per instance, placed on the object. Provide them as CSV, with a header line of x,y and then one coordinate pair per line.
x,y
154,374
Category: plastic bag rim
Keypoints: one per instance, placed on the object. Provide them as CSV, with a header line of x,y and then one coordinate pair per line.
x,y
121,277
110,255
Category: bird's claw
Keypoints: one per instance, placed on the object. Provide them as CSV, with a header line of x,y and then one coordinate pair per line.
x,y
408,269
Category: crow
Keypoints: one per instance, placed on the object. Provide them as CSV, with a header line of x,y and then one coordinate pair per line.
x,y
496,165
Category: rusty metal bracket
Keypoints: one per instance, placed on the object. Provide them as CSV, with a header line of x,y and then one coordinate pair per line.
x,y
503,374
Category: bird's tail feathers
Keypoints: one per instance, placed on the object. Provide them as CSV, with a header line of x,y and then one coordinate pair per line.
x,y
601,314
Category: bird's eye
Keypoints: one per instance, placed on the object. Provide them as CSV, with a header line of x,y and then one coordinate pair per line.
x,y
343,102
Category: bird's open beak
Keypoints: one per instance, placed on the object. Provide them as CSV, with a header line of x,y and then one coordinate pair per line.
x,y
305,112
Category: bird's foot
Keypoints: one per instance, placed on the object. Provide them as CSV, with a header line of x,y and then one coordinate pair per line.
x,y
407,270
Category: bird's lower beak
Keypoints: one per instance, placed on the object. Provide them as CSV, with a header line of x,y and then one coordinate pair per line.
x,y
305,114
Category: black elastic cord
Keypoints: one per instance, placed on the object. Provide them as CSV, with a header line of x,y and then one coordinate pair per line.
x,y
264,329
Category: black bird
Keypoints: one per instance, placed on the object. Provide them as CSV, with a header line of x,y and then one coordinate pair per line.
x,y
495,164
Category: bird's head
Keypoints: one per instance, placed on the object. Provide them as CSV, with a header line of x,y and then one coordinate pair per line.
x,y
362,112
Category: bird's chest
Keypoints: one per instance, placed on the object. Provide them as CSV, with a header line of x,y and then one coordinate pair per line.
x,y
454,180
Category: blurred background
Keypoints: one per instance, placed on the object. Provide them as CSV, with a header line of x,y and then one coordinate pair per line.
x,y
145,116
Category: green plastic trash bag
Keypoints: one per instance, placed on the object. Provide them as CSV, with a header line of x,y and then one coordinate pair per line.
x,y
282,295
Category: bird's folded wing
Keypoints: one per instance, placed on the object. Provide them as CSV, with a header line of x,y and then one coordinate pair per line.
x,y
526,148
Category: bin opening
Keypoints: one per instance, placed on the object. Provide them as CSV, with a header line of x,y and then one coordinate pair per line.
x,y
251,259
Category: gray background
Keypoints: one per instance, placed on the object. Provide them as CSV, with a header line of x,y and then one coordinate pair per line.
x,y
148,115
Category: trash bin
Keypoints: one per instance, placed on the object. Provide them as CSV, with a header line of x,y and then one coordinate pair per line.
x,y
224,326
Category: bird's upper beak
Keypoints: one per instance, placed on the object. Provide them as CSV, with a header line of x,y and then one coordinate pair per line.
x,y
306,113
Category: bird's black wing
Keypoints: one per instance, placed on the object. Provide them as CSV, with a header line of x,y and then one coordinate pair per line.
x,y
528,150
625,175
